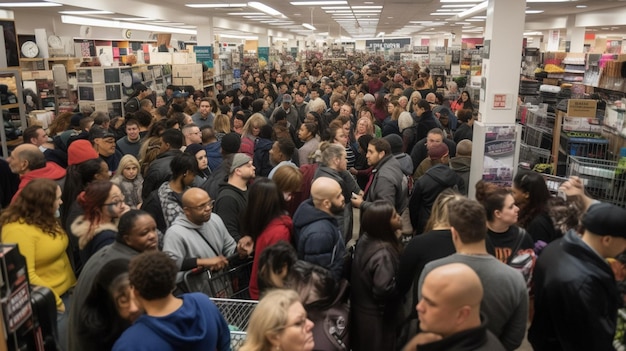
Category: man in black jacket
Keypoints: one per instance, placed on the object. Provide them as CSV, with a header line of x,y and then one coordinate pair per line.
x,y
576,297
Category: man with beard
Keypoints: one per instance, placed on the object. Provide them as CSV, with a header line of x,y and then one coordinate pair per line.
x,y
317,236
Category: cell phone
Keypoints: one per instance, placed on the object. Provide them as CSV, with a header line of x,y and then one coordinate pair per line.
x,y
562,195
354,195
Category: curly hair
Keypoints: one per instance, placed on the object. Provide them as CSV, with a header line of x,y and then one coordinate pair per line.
x,y
34,206
153,274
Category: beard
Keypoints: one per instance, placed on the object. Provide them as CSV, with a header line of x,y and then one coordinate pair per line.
x,y
337,210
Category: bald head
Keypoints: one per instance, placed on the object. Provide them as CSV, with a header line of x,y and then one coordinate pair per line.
x,y
327,195
194,197
450,300
26,157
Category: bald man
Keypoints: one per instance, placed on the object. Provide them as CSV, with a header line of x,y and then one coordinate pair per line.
x,y
505,299
199,237
29,163
317,236
449,312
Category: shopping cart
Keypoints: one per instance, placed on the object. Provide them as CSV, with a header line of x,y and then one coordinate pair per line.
x,y
534,155
231,282
553,182
237,314
603,180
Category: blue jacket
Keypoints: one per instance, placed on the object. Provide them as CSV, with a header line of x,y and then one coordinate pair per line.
x,y
214,155
318,239
196,326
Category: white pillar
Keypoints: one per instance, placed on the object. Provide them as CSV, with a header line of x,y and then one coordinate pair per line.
x,y
206,34
504,31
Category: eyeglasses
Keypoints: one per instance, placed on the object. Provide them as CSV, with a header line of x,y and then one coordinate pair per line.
x,y
208,205
115,203
301,323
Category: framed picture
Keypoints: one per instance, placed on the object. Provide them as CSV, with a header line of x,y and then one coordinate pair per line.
x,y
10,42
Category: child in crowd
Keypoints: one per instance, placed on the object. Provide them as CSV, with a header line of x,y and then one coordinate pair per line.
x,y
129,180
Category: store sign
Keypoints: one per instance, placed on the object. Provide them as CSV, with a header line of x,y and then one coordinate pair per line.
x,y
386,44
420,49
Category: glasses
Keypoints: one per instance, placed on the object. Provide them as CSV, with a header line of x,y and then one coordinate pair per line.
x,y
208,205
115,203
301,323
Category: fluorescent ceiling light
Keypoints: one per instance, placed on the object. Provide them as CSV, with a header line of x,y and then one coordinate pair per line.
x,y
532,33
132,19
308,26
264,8
239,37
30,4
474,10
443,13
83,21
532,12
581,6
381,34
86,12
246,14
203,6
335,7
448,10
458,5
319,3
366,7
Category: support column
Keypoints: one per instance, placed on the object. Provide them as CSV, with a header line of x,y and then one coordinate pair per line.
x,y
575,35
206,34
504,31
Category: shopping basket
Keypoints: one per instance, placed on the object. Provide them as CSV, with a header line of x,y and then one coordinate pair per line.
x,y
603,179
231,282
237,314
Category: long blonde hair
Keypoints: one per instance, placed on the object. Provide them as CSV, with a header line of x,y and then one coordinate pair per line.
x,y
269,316
439,213
256,120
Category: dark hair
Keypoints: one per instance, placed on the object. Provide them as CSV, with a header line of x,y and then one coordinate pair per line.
x,y
126,223
132,122
311,127
265,202
376,222
272,260
424,104
174,137
491,196
257,105
266,132
464,115
152,274
309,279
99,316
143,117
287,147
76,179
280,115
30,132
182,164
364,140
469,219
538,195
381,144
33,206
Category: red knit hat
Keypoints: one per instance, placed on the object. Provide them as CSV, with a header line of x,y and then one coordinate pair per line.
x,y
80,151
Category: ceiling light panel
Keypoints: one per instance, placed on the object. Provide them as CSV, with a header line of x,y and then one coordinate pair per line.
x,y
264,8
86,12
318,3
214,6
30,4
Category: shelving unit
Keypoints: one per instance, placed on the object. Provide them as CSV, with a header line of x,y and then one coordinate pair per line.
x,y
101,89
14,75
574,68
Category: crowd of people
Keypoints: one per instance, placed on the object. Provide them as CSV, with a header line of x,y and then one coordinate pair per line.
x,y
109,213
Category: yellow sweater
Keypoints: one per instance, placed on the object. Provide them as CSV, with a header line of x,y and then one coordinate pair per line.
x,y
46,260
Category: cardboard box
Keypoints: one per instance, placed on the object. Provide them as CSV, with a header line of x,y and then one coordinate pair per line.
x,y
581,124
582,108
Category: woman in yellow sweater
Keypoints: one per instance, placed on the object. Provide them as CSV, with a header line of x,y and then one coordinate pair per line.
x,y
30,222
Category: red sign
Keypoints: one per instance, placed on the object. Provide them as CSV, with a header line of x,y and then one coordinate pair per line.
x,y
499,101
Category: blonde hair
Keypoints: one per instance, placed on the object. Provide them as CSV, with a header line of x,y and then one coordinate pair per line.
x,y
439,213
256,120
221,124
269,316
126,161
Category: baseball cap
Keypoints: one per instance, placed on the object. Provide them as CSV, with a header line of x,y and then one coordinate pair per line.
x,y
437,151
239,160
287,98
98,132
605,219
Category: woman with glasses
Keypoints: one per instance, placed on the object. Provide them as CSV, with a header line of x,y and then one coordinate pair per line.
x,y
279,322
30,222
103,204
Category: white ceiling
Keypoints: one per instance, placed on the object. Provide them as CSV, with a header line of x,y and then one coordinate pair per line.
x,y
395,18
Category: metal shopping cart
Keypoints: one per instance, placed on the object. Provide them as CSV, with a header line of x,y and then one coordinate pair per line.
x,y
603,180
237,314
231,282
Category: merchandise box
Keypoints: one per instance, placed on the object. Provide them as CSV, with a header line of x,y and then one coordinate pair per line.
x,y
16,306
582,108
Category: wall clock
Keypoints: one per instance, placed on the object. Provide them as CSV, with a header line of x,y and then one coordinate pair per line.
x,y
30,49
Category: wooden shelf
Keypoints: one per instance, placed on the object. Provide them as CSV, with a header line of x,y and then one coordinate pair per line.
x,y
10,106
